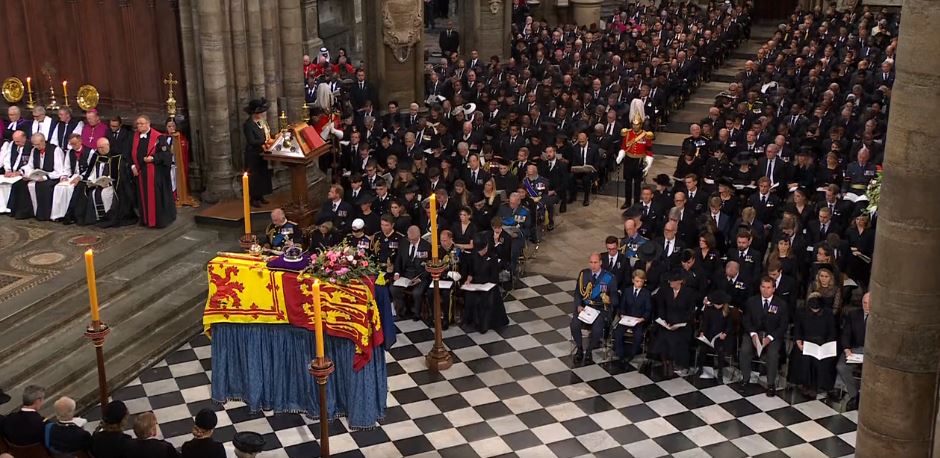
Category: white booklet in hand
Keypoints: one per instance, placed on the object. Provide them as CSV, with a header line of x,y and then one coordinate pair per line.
x,y
852,197
629,321
9,180
402,282
477,286
38,174
760,345
445,284
101,182
826,350
854,358
710,343
663,323
588,315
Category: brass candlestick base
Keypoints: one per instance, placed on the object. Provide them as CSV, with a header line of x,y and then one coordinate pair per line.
x,y
439,358
30,103
321,368
248,241
96,333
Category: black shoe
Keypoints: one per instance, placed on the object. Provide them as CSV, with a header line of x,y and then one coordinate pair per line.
x,y
588,359
551,227
264,201
586,203
741,387
624,206
445,326
68,221
578,356
852,404
771,391
563,208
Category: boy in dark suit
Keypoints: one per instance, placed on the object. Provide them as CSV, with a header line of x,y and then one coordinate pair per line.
x,y
635,301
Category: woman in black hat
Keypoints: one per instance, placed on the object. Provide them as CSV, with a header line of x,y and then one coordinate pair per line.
x,y
109,441
257,133
483,310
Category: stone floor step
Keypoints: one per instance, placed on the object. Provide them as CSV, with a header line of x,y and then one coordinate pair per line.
x,y
27,329
145,325
148,298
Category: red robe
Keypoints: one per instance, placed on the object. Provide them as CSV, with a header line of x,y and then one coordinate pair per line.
x,y
157,205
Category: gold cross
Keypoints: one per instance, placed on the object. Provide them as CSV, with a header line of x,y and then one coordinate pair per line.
x,y
169,81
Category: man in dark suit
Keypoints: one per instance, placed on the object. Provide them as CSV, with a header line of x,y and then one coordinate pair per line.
x,y
64,436
585,154
840,210
671,244
556,173
335,209
25,426
819,229
650,212
852,341
120,137
730,281
747,257
474,176
765,203
449,40
785,286
774,168
765,326
635,301
362,90
614,261
409,263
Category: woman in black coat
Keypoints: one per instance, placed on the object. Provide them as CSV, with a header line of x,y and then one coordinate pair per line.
x,y
674,307
257,133
483,310
817,324
716,327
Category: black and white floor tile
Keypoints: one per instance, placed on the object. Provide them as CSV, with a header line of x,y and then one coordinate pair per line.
x,y
513,393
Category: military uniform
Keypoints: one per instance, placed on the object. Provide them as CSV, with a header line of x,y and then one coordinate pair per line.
x,y
384,248
277,236
591,290
634,163
519,219
361,241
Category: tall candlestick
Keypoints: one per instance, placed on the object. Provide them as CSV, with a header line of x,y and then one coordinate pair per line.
x,y
317,317
65,89
434,242
246,203
29,84
92,285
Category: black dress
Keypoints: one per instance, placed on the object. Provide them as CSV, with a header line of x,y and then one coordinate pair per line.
x,y
856,268
484,310
259,177
817,327
714,323
674,309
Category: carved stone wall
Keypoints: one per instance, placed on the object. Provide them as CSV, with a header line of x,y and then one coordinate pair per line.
x,y
394,54
485,26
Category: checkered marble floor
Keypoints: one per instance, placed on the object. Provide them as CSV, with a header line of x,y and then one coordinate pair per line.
x,y
513,393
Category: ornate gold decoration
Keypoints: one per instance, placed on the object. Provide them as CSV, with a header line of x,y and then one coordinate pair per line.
x,y
170,101
13,89
403,24
87,97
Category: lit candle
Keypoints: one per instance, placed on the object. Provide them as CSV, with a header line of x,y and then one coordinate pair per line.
x,y
434,226
92,286
246,202
29,84
317,318
65,89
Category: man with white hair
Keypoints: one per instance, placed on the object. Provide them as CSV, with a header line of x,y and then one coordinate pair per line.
x,y
66,435
79,161
41,124
15,123
46,167
64,127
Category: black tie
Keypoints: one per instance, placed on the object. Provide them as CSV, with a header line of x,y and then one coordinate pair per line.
x,y
741,255
636,292
763,200
473,178
412,255
594,278
766,304
668,247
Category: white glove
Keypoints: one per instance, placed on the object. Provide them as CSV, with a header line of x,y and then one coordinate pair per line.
x,y
649,163
325,132
620,156
455,276
338,133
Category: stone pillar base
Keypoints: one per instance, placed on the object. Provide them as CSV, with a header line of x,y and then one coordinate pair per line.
x,y
586,12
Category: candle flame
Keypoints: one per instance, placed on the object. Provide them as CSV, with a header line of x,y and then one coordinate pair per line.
x,y
245,174
89,251
28,79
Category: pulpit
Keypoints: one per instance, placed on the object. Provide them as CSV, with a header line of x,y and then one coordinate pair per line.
x,y
297,147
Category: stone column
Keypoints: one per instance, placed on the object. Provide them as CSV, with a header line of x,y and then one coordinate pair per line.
x,y
292,53
394,55
586,12
311,20
484,25
215,97
900,376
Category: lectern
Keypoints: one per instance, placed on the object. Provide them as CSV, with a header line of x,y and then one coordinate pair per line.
x,y
298,146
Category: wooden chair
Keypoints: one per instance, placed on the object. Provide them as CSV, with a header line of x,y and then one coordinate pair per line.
x,y
28,451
